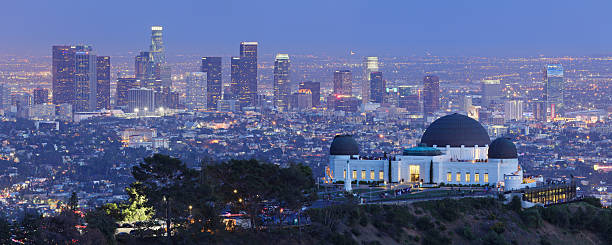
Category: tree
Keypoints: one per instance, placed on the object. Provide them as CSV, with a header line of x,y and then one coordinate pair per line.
x,y
73,202
5,231
100,223
137,208
296,187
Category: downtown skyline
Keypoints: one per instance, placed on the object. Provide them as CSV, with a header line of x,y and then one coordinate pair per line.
x,y
368,28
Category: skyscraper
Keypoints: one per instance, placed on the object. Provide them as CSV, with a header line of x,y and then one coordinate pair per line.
x,y
124,84
555,85
513,110
237,79
491,90
377,87
281,81
214,83
431,94
158,51
141,100
147,70
409,98
315,89
343,83
86,81
370,64
103,82
63,72
248,78
196,95
41,96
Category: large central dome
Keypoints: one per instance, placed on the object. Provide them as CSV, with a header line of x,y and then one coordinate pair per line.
x,y
455,130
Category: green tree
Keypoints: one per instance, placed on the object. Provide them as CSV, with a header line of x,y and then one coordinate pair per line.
x,y
5,231
295,187
99,222
137,208
73,202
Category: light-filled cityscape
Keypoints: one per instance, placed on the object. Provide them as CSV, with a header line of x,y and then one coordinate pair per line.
x,y
252,140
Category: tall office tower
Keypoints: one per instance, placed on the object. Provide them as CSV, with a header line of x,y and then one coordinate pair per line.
x,y
466,103
103,82
86,81
147,71
391,96
409,98
513,110
124,84
236,83
303,99
370,64
63,71
158,51
141,100
214,84
41,96
555,84
491,90
4,96
247,79
196,95
166,99
377,87
538,108
315,89
431,94
343,83
281,82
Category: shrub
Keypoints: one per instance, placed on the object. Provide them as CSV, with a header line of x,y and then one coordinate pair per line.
x,y
424,223
531,218
363,221
498,227
465,232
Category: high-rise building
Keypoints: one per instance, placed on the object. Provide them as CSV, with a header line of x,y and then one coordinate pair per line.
x,y
392,96
247,94
158,52
103,82
236,83
431,94
343,83
147,71
86,81
41,96
409,98
491,90
63,72
281,81
370,64
538,108
304,99
214,84
315,89
141,100
196,95
377,87
555,85
513,110
124,84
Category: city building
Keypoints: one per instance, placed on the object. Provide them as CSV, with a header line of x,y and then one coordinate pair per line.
x,y
370,64
491,91
41,96
304,99
158,52
44,111
141,101
197,94
282,90
214,83
431,94
63,71
124,84
244,74
147,70
513,110
86,82
103,82
377,87
315,90
455,149
555,85
343,83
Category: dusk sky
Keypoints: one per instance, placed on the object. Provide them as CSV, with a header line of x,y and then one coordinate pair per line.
x,y
488,28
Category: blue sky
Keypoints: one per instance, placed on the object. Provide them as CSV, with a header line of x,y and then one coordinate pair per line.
x,y
408,27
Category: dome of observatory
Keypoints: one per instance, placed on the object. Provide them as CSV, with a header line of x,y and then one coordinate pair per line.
x,y
344,145
455,130
502,148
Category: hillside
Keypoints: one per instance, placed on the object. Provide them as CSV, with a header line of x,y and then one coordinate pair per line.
x,y
464,221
